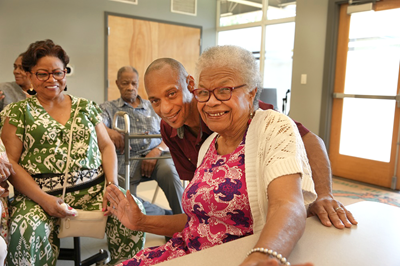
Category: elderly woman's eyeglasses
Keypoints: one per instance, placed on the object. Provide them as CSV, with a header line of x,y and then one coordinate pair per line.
x,y
221,93
44,75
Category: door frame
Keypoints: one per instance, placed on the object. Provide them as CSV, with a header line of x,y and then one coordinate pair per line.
x,y
328,80
106,14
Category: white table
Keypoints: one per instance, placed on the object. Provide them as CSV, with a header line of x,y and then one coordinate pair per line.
x,y
374,241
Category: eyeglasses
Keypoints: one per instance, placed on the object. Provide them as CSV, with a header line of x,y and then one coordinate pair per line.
x,y
44,75
221,93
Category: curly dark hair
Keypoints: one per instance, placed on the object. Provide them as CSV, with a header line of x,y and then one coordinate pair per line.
x,y
41,49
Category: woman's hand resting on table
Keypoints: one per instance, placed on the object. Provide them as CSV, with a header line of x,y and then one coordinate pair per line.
x,y
260,259
124,208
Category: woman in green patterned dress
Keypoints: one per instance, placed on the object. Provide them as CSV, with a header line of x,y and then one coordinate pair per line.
x,y
36,135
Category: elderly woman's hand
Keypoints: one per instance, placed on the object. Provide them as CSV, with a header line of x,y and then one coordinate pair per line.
x,y
124,208
259,259
6,170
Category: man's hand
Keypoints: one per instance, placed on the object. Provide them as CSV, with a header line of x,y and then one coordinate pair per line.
x,y
117,138
148,165
331,211
328,210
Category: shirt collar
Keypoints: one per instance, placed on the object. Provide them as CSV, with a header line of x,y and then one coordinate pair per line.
x,y
121,103
180,132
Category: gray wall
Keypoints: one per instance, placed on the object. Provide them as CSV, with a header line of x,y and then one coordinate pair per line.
x,y
78,26
308,58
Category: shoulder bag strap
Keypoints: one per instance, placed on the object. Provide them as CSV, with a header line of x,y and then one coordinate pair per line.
x,y
69,149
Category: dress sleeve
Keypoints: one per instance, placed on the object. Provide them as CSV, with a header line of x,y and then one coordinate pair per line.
x,y
93,111
16,114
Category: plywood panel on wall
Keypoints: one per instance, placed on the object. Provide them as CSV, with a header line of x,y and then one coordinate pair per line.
x,y
138,42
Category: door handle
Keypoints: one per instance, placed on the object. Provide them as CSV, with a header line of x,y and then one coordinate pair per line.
x,y
339,95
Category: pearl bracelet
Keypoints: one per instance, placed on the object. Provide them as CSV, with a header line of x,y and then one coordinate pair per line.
x,y
271,253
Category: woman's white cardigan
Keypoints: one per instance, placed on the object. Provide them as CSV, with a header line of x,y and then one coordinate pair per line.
x,y
273,148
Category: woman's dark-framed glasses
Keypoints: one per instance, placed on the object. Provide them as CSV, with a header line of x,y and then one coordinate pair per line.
x,y
220,93
44,75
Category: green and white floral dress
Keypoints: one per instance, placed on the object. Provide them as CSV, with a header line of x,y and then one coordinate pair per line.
x,y
33,232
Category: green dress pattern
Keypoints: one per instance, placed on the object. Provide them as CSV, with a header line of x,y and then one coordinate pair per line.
x,y
33,232
45,141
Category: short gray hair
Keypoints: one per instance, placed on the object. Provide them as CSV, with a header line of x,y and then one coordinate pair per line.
x,y
124,69
236,58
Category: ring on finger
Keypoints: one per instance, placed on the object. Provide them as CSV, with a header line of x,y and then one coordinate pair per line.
x,y
338,208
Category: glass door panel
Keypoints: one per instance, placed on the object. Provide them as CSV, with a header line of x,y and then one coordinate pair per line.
x,y
373,53
365,114
372,69
367,128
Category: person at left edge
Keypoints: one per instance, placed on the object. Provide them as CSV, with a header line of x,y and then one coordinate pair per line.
x,y
16,90
36,136
6,170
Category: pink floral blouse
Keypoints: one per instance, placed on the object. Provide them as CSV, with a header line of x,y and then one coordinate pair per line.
x,y
216,203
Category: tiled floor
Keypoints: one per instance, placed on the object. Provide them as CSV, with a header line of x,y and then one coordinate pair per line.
x,y
352,191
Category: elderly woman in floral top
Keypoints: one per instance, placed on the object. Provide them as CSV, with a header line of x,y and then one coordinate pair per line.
x,y
6,170
36,136
252,176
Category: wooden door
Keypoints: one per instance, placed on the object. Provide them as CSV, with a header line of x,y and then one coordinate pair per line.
x,y
365,116
138,42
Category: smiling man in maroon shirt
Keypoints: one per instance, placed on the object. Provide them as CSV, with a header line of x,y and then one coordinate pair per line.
x,y
169,87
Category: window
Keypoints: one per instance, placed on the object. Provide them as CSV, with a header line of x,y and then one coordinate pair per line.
x,y
248,38
279,41
265,28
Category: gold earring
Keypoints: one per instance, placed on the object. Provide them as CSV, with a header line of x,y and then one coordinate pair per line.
x,y
31,89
